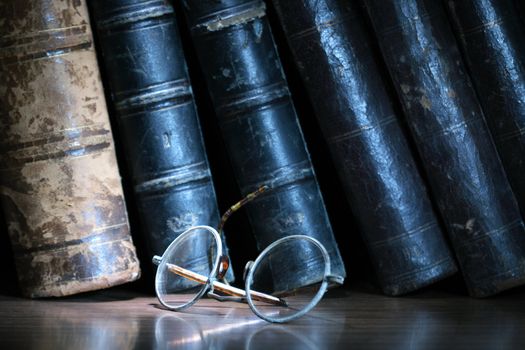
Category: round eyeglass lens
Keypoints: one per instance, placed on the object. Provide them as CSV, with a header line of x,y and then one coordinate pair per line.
x,y
293,269
186,266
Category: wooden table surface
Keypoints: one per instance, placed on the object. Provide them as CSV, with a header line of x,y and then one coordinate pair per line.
x,y
349,318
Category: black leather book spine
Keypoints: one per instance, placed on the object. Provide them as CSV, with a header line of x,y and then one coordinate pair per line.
x,y
161,136
492,35
330,44
466,175
260,127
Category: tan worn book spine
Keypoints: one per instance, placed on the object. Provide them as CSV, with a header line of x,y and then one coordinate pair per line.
x,y
60,188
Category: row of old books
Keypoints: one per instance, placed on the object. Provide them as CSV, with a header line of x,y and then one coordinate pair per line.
x,y
435,186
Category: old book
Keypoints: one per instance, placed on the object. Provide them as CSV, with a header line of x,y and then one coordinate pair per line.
x,y
160,133
330,44
466,175
491,35
260,127
60,187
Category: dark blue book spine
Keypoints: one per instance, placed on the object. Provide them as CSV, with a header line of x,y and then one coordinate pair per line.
x,y
446,120
492,35
260,127
161,136
330,44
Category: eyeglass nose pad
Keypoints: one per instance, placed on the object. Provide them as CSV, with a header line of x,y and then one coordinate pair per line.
x,y
156,260
247,269
224,264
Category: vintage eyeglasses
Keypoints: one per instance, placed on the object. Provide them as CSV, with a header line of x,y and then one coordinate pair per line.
x,y
193,265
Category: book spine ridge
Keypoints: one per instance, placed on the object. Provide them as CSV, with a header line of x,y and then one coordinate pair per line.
x,y
44,44
129,17
253,100
378,124
319,26
171,94
409,234
100,235
462,242
230,16
197,172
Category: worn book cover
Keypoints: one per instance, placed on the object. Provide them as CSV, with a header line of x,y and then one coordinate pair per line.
x,y
159,128
490,33
457,151
260,128
332,48
59,183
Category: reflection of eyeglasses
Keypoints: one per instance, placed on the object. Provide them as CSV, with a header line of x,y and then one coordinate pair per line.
x,y
183,277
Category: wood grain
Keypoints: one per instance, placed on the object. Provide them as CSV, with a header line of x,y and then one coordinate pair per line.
x,y
346,318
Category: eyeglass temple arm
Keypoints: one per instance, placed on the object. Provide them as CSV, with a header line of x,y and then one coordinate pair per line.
x,y
221,287
249,197
335,280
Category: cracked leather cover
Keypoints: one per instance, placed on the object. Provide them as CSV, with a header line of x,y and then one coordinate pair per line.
x,y
330,44
459,156
491,36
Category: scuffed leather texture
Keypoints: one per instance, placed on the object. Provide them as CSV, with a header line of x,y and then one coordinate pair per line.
x,y
260,128
60,186
467,179
331,48
161,136
492,35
